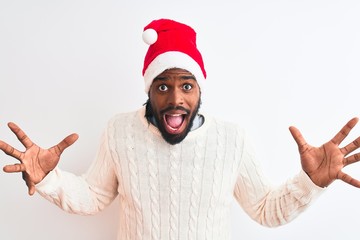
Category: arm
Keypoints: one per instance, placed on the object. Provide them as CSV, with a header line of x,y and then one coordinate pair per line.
x,y
276,206
85,194
35,162
266,204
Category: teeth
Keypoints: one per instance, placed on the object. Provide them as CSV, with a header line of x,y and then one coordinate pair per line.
x,y
174,119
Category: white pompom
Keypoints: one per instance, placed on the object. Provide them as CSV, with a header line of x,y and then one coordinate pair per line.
x,y
149,36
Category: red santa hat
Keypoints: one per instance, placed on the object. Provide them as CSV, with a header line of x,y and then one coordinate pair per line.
x,y
171,45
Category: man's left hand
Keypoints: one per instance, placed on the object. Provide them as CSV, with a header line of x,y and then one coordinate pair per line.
x,y
324,164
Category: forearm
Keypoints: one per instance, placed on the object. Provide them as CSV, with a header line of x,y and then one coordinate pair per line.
x,y
73,193
280,205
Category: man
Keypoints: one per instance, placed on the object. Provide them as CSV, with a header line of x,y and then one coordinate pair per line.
x,y
176,170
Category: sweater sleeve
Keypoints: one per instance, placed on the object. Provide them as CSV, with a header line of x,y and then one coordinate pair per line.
x,y
86,194
268,205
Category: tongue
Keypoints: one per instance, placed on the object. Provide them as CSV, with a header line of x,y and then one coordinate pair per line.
x,y
174,121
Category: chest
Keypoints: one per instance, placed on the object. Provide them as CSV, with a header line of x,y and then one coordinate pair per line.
x,y
206,165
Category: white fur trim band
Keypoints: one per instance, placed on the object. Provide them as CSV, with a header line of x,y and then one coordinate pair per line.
x,y
172,59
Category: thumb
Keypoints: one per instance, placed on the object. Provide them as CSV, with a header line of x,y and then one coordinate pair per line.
x,y
66,142
299,139
30,185
31,189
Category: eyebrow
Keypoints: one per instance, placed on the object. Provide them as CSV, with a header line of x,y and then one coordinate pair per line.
x,y
185,77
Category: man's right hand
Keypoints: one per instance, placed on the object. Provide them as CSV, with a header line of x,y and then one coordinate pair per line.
x,y
35,162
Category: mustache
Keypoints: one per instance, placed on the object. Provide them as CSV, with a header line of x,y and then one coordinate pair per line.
x,y
174,108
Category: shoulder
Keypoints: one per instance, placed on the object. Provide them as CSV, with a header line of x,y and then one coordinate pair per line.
x,y
125,119
218,124
120,117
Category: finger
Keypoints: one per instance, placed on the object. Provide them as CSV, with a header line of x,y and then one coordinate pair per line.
x,y
65,143
20,134
351,146
340,136
15,168
9,150
352,159
299,139
348,179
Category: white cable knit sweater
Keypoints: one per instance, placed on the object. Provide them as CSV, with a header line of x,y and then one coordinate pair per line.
x,y
181,191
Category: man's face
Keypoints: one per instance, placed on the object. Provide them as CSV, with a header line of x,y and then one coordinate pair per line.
x,y
175,100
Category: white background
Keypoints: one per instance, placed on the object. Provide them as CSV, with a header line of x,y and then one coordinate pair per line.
x,y
68,66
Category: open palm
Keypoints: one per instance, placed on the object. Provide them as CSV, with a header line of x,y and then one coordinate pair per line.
x,y
35,162
324,164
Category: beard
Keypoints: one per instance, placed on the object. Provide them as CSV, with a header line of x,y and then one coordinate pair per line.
x,y
168,137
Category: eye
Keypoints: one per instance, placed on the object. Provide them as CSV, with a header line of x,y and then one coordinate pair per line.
x,y
163,88
187,87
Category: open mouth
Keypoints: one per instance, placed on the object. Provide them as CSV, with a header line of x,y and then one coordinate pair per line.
x,y
174,122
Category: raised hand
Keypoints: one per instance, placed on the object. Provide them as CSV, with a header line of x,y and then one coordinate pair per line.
x,y
35,162
324,164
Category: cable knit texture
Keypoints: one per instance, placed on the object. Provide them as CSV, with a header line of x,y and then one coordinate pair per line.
x,y
181,191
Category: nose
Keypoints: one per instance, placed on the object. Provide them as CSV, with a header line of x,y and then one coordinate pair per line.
x,y
176,98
